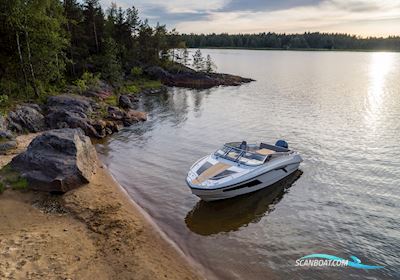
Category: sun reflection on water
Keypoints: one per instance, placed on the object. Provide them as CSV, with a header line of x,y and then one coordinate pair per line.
x,y
379,68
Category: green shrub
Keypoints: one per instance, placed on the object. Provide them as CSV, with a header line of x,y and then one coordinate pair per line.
x,y
20,184
3,99
88,80
130,89
2,187
111,100
136,71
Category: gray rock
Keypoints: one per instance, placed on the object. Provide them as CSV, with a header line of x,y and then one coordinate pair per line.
x,y
73,103
57,161
68,119
6,146
26,118
127,101
71,111
162,89
7,141
6,135
158,73
3,124
126,117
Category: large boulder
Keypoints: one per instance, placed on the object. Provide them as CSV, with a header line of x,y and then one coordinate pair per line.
x,y
57,161
26,118
71,111
73,103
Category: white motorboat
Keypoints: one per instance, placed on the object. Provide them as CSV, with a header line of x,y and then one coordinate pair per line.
x,y
240,168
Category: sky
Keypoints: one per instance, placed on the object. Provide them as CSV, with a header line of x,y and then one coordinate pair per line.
x,y
359,17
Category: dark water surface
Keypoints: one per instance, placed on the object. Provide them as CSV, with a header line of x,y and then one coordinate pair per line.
x,y
340,110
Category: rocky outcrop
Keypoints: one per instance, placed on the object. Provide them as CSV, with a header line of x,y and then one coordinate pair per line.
x,y
71,111
26,118
7,141
186,77
57,161
125,117
3,125
127,101
162,89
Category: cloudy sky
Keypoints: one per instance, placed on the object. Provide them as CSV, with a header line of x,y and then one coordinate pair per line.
x,y
361,17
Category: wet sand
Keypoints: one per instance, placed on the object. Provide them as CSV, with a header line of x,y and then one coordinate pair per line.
x,y
93,232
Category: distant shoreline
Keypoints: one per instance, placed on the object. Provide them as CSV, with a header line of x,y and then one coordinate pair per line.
x,y
297,50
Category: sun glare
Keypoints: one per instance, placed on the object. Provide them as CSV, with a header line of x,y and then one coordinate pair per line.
x,y
379,67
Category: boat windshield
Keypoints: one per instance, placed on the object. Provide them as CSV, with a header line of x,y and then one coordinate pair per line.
x,y
238,155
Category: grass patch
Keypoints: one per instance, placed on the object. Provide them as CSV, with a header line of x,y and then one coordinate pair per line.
x,y
12,178
147,83
20,184
112,100
139,84
131,88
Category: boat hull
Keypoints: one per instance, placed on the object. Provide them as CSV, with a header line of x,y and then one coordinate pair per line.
x,y
251,185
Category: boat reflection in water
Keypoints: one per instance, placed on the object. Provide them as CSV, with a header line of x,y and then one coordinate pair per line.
x,y
208,218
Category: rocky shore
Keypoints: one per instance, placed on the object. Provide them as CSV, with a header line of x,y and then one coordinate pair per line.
x,y
62,216
182,76
91,232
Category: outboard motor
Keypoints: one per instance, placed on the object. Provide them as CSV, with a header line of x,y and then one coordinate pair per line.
x,y
282,143
243,145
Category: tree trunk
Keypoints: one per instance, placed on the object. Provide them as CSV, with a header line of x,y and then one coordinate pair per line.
x,y
95,35
71,39
21,60
30,64
58,67
71,50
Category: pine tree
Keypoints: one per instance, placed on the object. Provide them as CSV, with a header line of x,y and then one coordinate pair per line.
x,y
185,57
108,62
93,25
210,65
198,61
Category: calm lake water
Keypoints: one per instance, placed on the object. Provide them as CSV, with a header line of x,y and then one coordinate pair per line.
x,y
340,110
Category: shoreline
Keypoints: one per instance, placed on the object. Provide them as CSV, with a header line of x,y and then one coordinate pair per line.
x,y
295,50
96,230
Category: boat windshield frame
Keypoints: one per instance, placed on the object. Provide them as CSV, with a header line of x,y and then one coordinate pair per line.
x,y
241,156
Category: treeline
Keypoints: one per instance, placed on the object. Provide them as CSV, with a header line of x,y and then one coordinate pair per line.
x,y
45,44
307,40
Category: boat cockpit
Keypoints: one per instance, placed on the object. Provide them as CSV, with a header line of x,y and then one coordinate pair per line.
x,y
251,154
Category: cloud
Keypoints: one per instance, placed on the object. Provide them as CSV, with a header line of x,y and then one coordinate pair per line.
x,y
364,17
162,15
271,5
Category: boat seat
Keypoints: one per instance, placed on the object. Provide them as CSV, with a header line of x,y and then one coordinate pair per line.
x,y
265,152
211,172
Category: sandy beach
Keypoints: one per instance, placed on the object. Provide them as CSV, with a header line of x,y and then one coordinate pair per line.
x,y
93,232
